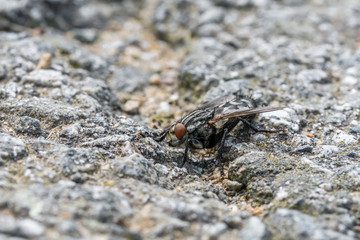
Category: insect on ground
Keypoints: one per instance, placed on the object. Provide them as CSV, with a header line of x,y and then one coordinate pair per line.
x,y
208,125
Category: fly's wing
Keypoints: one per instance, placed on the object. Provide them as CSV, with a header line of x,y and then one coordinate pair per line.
x,y
243,113
217,102
205,112
233,105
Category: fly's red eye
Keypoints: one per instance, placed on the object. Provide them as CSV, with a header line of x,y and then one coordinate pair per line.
x,y
180,130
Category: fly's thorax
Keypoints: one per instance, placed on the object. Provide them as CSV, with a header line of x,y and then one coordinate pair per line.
x,y
197,118
196,124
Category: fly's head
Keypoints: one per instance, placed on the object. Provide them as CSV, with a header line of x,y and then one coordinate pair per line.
x,y
177,134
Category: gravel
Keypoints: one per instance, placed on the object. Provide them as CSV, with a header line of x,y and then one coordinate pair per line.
x,y
86,86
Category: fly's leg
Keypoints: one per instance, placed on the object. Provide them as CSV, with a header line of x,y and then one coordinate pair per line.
x,y
248,124
221,147
185,153
162,135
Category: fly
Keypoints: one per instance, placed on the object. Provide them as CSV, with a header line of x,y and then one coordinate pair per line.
x,y
210,123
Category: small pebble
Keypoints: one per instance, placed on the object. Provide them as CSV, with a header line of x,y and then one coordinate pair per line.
x,y
45,61
132,106
155,79
354,129
304,149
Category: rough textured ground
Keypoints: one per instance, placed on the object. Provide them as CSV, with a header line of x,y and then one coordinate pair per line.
x,y
86,85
